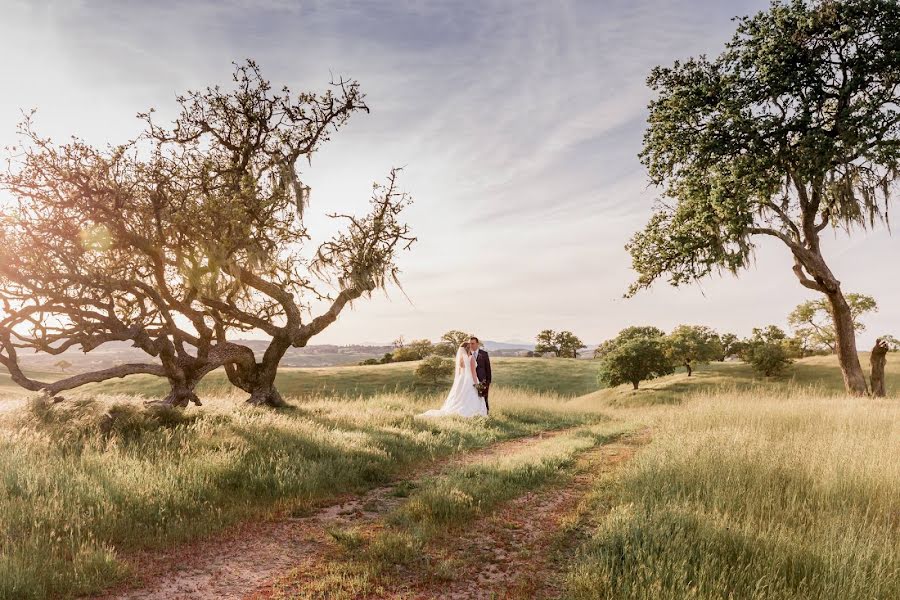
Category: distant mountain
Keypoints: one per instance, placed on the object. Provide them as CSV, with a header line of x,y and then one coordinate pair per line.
x,y
491,345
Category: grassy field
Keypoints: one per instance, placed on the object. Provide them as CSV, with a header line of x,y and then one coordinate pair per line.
x,y
819,375
753,495
751,488
87,480
563,377
437,505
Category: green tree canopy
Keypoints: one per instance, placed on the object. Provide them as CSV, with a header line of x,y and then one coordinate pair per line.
x,y
563,344
634,361
691,344
414,350
546,342
729,343
569,344
813,322
434,369
792,130
450,342
629,333
770,334
768,358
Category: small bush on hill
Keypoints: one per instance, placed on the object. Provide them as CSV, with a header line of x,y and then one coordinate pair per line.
x,y
434,368
769,359
635,361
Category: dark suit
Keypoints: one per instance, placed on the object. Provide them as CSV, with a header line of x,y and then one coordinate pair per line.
x,y
483,372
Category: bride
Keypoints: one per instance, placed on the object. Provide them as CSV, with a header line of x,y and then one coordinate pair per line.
x,y
463,398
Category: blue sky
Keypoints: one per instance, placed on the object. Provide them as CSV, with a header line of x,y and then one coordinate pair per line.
x,y
517,124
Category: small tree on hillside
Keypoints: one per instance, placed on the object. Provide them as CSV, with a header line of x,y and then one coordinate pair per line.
x,y
768,358
546,342
450,342
813,321
635,361
569,344
414,350
728,341
794,129
434,369
563,344
691,344
628,334
770,334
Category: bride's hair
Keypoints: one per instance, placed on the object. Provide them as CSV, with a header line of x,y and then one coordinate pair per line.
x,y
465,346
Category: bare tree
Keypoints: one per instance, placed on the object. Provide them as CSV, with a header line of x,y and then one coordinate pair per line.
x,y
190,233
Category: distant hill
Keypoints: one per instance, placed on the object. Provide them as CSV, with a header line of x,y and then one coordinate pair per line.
x,y
315,355
490,345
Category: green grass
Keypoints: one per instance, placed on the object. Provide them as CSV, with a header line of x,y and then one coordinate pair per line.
x,y
818,373
440,505
758,488
785,494
564,377
87,480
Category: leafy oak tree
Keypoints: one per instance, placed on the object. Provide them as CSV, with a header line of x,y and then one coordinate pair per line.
x,y
450,342
627,334
563,344
794,129
729,343
813,322
191,233
691,344
546,342
768,358
634,361
434,369
569,344
414,350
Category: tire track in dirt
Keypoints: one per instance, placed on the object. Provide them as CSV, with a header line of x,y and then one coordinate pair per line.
x,y
510,554
239,561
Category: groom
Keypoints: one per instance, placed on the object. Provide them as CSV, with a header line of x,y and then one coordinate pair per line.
x,y
482,368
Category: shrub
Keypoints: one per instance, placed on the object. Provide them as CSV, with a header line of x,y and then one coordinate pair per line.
x,y
415,350
634,361
434,368
768,358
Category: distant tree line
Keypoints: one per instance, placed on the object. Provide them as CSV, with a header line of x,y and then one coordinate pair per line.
x,y
644,352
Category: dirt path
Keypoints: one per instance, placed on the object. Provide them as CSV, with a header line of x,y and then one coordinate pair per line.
x,y
506,554
509,554
240,561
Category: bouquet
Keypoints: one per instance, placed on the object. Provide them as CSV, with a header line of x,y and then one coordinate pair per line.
x,y
481,387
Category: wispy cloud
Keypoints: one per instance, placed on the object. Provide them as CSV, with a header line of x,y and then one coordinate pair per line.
x,y
518,123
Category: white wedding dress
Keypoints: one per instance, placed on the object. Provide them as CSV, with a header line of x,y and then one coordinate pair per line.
x,y
463,398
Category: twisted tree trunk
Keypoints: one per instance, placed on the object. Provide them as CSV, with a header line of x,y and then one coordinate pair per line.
x,y
262,381
845,344
878,360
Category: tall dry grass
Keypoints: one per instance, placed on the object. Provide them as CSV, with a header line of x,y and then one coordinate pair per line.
x,y
87,481
752,495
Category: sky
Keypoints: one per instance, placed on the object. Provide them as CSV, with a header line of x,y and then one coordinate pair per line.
x,y
517,125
